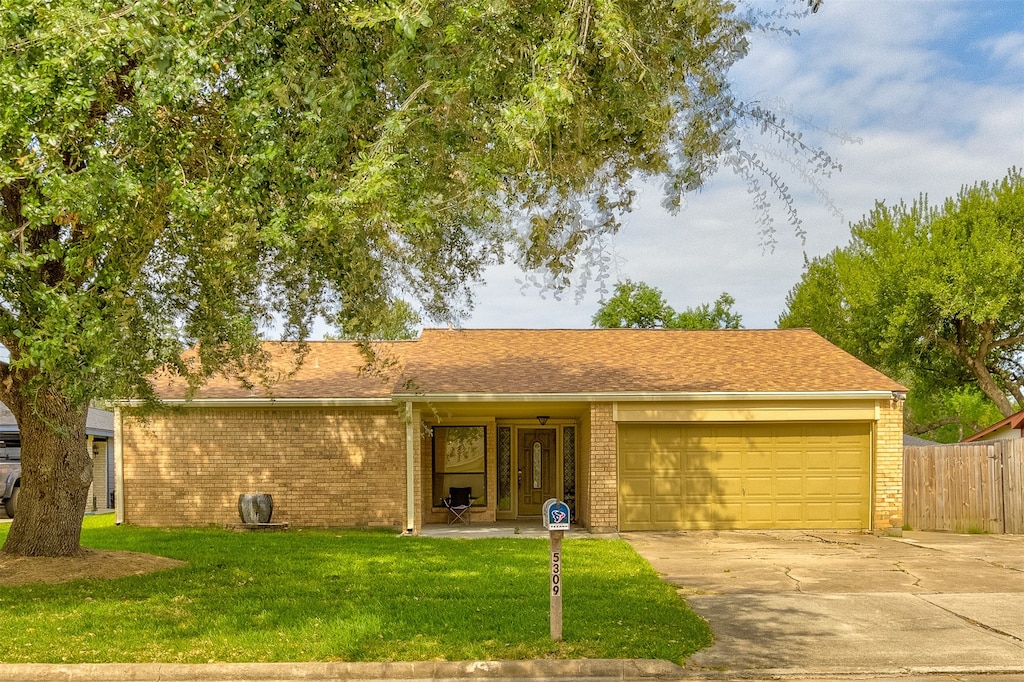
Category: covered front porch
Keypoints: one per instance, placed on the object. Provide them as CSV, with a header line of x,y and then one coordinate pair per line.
x,y
513,456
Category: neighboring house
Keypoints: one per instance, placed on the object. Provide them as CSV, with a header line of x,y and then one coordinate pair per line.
x,y
636,429
1008,429
914,441
99,433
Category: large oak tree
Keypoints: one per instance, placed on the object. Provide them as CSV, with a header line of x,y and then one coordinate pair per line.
x,y
178,174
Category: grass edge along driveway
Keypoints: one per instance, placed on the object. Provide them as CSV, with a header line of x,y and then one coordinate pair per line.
x,y
347,595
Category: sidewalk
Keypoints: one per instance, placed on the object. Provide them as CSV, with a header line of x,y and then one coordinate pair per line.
x,y
490,671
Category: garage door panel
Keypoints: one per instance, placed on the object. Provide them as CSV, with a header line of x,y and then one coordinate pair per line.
x,y
728,461
848,461
667,462
671,514
729,513
729,485
847,513
757,461
745,476
636,462
819,511
819,461
758,486
637,516
786,460
757,513
699,514
637,487
789,513
792,486
697,462
668,487
820,486
851,485
699,486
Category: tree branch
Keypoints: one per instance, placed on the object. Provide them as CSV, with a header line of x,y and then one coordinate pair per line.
x,y
1008,341
918,429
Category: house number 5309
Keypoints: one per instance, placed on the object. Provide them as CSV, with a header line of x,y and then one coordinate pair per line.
x,y
556,574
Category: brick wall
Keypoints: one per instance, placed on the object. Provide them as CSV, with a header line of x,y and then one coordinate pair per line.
x,y
888,483
583,472
323,466
603,473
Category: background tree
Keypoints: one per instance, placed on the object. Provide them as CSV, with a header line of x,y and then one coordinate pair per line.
x,y
181,174
639,305
717,315
399,321
931,295
634,304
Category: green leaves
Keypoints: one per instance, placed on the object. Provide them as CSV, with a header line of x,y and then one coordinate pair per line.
x,y
639,305
178,173
933,295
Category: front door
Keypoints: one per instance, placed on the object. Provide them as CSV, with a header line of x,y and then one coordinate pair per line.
x,y
538,469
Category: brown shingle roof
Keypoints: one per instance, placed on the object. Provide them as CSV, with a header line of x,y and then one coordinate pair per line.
x,y
636,360
330,369
576,361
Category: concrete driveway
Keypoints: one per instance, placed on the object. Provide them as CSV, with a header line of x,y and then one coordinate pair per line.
x,y
837,603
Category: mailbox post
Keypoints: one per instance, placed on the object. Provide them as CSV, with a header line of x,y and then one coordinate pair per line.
x,y
556,520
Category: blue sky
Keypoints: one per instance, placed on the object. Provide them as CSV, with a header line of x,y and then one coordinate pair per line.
x,y
932,89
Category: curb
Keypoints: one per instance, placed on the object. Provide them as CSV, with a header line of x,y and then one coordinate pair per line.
x,y
761,674
583,670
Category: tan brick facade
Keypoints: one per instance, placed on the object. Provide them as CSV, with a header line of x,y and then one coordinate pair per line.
x,y
602,471
347,466
324,466
888,473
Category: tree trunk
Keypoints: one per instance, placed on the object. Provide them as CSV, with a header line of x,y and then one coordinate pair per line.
x,y
990,388
56,470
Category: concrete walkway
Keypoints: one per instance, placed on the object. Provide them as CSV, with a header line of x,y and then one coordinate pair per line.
x,y
799,603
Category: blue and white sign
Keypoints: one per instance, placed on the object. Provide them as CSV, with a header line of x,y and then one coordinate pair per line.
x,y
556,515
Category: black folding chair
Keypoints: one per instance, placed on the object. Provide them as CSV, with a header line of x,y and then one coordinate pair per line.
x,y
458,504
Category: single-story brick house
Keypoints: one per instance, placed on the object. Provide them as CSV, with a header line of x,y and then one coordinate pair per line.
x,y
636,429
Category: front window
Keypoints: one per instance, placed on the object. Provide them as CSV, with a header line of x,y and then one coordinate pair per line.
x,y
460,460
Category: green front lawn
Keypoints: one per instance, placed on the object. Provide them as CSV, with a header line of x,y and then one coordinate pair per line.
x,y
314,595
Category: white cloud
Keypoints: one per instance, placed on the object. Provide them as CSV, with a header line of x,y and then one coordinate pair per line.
x,y
914,80
1007,49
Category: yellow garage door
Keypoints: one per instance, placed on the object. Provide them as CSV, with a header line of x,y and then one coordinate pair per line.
x,y
744,476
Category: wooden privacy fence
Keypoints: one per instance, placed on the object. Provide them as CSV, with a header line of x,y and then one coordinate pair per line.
x,y
966,488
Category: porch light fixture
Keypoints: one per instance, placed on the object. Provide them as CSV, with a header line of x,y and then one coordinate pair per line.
x,y
542,419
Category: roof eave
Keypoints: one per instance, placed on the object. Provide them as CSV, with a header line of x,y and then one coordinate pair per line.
x,y
264,401
643,396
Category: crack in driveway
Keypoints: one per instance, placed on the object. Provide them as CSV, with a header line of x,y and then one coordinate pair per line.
x,y
901,569
796,581
970,620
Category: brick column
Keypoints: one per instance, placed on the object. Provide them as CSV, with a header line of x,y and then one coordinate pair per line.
x,y
603,474
888,482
